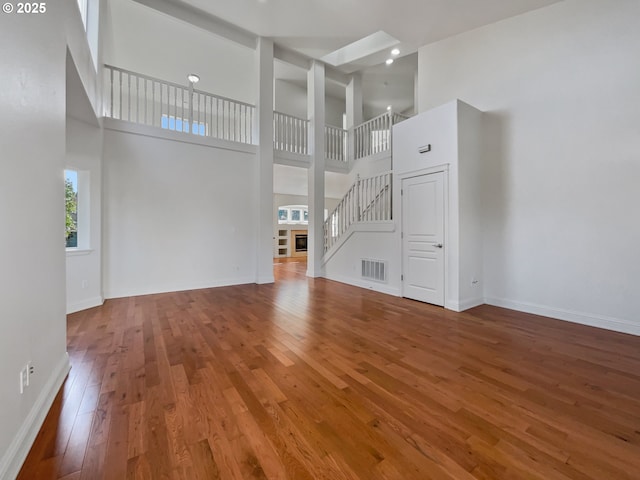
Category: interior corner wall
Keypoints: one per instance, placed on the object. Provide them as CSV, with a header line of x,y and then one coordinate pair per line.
x,y
146,41
560,94
177,216
32,256
84,269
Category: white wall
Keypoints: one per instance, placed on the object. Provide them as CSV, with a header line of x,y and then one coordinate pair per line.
x,y
32,255
560,88
377,244
146,41
84,274
177,216
292,100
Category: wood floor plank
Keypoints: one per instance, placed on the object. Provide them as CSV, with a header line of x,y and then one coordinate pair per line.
x,y
312,379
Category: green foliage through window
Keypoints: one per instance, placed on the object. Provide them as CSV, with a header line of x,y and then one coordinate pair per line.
x,y
71,210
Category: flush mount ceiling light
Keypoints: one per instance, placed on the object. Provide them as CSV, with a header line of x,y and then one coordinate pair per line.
x,y
193,78
395,52
388,108
389,61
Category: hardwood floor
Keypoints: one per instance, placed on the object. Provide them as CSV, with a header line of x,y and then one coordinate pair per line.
x,y
312,379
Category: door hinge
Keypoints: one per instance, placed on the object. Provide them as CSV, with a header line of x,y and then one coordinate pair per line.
x,y
401,278
401,191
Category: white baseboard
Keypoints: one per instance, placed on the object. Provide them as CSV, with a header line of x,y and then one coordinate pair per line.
x,y
608,323
463,305
84,304
14,457
357,282
265,279
152,290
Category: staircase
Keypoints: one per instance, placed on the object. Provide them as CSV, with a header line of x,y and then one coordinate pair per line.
x,y
367,200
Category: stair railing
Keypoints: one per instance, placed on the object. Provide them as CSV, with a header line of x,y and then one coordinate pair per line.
x,y
367,200
374,136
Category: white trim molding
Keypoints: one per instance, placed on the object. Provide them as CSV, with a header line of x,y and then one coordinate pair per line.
x,y
165,134
178,287
76,252
463,305
381,226
12,460
84,304
592,320
375,286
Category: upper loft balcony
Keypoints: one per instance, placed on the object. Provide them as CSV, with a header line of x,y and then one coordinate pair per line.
x,y
144,100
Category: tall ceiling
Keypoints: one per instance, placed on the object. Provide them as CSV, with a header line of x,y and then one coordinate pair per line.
x,y
318,29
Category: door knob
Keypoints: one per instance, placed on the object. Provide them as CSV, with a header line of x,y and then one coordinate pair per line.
x,y
438,245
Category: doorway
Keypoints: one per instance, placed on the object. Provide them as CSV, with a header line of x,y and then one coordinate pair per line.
x,y
423,246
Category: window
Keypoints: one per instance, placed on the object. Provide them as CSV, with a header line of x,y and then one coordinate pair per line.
x,y
77,209
298,214
71,207
170,122
295,214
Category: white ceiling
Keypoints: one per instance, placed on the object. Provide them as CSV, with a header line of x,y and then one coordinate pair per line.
x,y
316,28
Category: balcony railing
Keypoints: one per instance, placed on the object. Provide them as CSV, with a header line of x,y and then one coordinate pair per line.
x,y
336,142
138,98
146,100
368,200
290,134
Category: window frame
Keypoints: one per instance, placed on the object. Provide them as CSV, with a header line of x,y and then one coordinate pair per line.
x,y
83,212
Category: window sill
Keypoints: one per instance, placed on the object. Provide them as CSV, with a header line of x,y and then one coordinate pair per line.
x,y
76,252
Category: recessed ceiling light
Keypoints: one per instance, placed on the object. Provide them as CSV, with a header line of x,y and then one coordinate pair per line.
x,y
389,61
395,51
193,78
388,108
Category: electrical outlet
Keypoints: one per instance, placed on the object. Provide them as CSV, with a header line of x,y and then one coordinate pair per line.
x,y
30,371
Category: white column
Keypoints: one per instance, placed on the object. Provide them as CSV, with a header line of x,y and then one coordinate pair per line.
x,y
316,114
353,109
264,174
354,101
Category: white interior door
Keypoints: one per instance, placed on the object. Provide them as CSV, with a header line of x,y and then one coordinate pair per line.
x,y
423,238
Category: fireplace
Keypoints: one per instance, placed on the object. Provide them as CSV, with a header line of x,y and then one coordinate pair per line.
x,y
299,243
